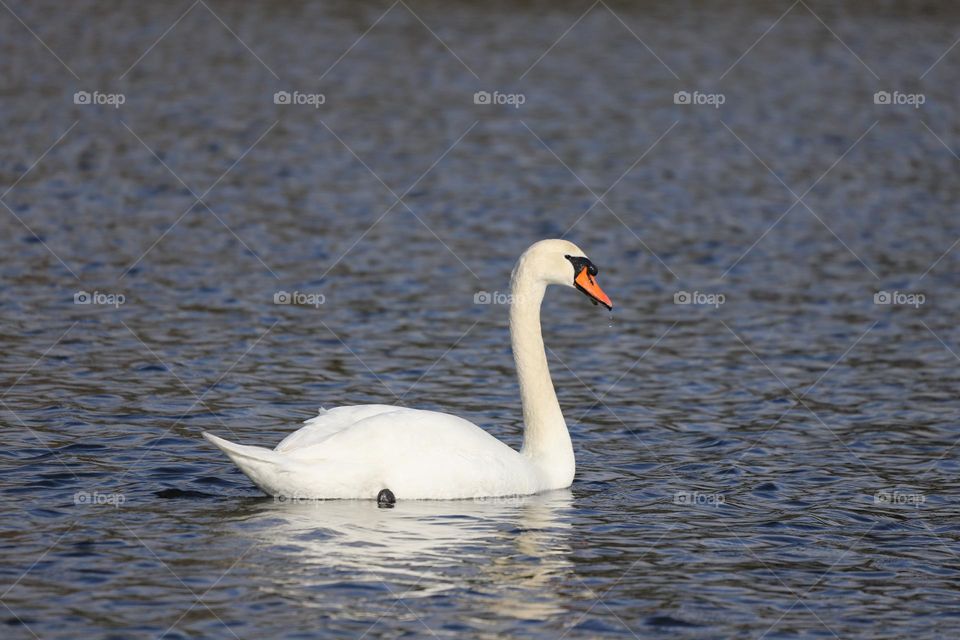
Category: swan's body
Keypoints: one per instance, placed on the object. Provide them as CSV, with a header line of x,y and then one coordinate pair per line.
x,y
356,451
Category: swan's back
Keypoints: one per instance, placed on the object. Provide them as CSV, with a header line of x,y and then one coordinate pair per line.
x,y
328,422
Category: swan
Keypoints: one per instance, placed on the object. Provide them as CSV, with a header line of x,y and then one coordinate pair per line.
x,y
383,452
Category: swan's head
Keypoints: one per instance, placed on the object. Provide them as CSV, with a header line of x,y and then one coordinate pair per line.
x,y
564,263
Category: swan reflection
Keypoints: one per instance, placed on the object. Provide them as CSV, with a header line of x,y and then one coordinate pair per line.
x,y
514,552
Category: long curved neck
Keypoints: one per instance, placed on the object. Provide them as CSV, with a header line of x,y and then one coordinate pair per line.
x,y
546,440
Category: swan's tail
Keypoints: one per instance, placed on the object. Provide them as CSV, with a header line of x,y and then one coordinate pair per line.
x,y
257,463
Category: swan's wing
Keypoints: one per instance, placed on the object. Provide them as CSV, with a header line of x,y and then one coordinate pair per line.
x,y
416,454
330,422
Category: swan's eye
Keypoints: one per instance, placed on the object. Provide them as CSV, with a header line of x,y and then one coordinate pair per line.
x,y
580,263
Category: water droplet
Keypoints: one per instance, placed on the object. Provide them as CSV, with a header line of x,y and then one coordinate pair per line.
x,y
611,320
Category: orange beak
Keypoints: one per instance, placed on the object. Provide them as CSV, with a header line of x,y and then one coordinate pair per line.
x,y
588,284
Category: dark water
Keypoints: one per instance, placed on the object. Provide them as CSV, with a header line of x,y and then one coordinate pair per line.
x,y
780,465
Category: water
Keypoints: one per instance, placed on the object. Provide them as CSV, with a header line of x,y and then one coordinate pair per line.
x,y
782,464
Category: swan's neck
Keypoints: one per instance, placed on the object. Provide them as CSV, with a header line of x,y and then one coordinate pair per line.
x,y
546,440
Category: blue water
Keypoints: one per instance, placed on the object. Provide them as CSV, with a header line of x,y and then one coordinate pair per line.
x,y
777,460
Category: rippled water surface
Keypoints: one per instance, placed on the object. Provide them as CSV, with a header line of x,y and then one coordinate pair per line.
x,y
779,465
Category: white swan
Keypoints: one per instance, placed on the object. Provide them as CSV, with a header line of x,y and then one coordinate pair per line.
x,y
360,451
